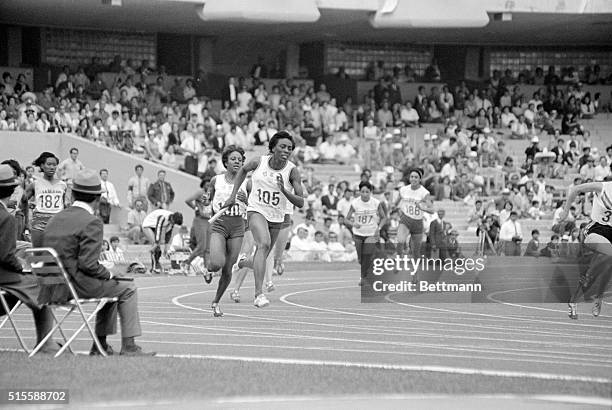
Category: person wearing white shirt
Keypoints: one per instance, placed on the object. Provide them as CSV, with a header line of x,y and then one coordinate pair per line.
x,y
327,149
344,204
409,115
449,170
244,99
236,136
109,197
511,235
300,247
602,170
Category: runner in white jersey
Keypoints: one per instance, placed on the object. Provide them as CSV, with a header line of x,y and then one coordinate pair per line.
x,y
598,239
366,216
49,194
267,200
413,200
228,230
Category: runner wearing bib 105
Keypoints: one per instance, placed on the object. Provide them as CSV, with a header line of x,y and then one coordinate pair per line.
x,y
272,177
265,197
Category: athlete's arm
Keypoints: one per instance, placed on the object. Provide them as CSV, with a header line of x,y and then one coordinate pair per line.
x,y
574,191
239,179
191,200
382,217
211,190
297,196
348,221
426,205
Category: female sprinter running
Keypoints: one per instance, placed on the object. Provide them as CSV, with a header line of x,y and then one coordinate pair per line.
x,y
366,216
413,200
597,238
267,200
227,231
49,193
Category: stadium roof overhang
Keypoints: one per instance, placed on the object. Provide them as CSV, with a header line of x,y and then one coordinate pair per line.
x,y
516,22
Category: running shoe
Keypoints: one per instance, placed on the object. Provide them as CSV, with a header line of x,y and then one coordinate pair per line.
x,y
280,268
597,306
216,310
270,287
207,276
235,296
236,266
261,301
573,310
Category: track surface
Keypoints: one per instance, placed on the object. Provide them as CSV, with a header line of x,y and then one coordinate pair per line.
x,y
316,317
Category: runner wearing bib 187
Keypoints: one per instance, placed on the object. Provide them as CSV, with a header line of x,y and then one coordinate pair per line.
x,y
366,216
413,200
597,238
267,200
49,195
227,231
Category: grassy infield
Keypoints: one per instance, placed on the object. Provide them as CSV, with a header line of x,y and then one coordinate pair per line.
x,y
127,379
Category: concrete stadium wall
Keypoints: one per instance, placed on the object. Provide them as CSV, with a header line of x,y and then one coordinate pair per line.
x,y
26,146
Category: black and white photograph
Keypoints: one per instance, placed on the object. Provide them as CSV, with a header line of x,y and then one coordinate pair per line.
x,y
306,204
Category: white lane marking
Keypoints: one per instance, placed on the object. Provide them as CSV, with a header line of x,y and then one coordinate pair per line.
x,y
552,321
492,298
413,368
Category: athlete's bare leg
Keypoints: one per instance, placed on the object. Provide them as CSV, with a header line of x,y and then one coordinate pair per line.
x,y
265,239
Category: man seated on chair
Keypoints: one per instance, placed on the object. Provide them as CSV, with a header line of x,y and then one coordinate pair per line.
x,y
19,286
76,235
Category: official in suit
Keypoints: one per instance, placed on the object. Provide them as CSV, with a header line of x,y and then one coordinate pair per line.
x,y
229,92
160,193
437,238
14,281
76,235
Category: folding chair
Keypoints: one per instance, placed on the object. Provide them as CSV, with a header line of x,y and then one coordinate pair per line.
x,y
57,290
9,318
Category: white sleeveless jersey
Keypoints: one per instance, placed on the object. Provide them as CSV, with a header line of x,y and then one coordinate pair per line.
x,y
365,214
265,197
602,205
223,190
409,198
49,196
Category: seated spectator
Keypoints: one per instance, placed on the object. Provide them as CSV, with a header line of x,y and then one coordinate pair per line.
x,y
453,246
551,250
434,114
135,219
533,247
114,253
602,170
76,235
535,212
409,116
477,214
320,249
336,251
300,247
19,287
345,153
507,117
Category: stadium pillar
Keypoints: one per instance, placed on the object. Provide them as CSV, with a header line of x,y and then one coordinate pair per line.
x,y
14,46
204,50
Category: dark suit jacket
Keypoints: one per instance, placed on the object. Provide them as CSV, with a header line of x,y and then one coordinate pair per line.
x,y
437,234
225,93
77,237
154,194
329,202
9,264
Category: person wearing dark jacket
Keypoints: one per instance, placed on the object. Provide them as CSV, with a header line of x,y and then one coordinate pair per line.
x,y
160,193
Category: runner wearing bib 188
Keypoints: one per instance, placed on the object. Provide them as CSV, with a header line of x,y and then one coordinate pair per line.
x,y
366,216
273,175
49,195
413,200
597,238
227,231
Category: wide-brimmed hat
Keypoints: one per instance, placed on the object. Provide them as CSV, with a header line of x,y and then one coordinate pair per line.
x,y
87,182
7,176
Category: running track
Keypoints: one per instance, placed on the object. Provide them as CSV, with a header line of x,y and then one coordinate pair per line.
x,y
316,317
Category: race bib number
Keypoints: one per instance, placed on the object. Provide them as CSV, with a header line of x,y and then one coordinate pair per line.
x,y
49,202
364,219
412,209
268,198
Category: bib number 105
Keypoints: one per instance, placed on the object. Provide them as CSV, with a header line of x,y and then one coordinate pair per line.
x,y
267,197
